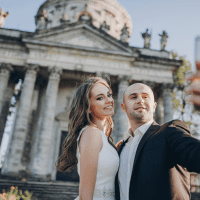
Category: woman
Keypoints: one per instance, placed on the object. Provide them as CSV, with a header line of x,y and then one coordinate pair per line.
x,y
89,141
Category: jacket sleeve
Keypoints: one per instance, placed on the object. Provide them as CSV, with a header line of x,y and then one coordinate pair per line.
x,y
184,149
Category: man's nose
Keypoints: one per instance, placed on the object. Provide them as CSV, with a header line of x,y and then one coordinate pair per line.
x,y
140,99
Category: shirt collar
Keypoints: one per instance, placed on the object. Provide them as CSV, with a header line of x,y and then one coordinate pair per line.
x,y
142,129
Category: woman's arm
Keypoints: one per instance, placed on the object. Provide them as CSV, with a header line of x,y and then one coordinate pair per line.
x,y
89,147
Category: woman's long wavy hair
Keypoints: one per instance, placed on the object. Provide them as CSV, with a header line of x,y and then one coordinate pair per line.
x,y
78,118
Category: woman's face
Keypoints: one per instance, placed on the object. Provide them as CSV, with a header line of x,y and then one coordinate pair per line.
x,y
101,101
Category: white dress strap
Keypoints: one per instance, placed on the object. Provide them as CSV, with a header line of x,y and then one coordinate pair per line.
x,y
78,139
80,133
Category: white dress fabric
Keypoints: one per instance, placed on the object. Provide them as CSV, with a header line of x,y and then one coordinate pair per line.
x,y
108,164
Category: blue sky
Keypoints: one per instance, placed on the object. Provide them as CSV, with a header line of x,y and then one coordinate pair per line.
x,y
179,18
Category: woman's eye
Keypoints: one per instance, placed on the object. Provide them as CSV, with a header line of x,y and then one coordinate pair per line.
x,y
109,95
100,98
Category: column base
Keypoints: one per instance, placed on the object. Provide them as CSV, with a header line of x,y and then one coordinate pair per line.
x,y
15,176
39,178
27,176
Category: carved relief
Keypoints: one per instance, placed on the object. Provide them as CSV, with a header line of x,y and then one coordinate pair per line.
x,y
42,20
111,18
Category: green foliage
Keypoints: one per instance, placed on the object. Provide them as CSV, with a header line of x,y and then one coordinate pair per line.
x,y
183,109
185,67
15,194
189,123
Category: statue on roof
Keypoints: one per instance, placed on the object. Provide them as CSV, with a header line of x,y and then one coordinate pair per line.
x,y
163,40
85,15
105,27
3,16
124,34
147,38
42,20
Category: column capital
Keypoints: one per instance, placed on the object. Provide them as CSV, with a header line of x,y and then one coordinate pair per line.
x,y
122,78
55,70
6,66
103,75
167,86
31,68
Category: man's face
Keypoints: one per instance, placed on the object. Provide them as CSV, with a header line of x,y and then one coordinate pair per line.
x,y
139,103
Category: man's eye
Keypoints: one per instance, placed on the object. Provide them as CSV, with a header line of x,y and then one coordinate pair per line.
x,y
133,97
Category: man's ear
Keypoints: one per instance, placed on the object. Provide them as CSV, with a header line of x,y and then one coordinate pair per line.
x,y
123,107
155,104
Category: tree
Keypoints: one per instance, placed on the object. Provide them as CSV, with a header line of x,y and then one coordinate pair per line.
x,y
184,110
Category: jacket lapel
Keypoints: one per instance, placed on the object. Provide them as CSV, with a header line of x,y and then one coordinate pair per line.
x,y
152,129
122,145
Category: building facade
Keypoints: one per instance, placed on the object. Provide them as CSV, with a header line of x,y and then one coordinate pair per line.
x,y
73,40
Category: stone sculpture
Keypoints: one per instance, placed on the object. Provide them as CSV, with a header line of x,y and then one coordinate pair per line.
x,y
85,15
3,16
64,19
163,40
104,27
147,38
124,34
42,21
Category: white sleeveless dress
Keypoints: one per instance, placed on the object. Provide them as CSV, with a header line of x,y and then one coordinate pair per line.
x,y
108,164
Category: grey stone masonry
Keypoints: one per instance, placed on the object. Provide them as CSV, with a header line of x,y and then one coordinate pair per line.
x,y
41,162
121,120
159,111
13,165
167,102
5,70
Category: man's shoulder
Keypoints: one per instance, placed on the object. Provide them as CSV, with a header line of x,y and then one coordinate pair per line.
x,y
177,123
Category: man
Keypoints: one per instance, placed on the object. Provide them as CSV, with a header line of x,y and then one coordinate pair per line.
x,y
154,159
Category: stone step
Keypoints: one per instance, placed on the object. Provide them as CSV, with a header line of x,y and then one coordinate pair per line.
x,y
44,190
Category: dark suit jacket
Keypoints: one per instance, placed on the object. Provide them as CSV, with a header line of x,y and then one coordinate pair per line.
x,y
163,158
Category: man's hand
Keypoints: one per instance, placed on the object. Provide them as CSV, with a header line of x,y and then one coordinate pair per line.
x,y
119,144
194,88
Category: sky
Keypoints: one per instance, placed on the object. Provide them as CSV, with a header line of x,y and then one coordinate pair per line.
x,y
179,18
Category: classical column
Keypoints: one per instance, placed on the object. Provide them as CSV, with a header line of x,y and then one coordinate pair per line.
x,y
41,163
105,76
5,70
13,165
121,119
160,111
167,102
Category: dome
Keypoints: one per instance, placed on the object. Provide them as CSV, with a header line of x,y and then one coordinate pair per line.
x,y
108,14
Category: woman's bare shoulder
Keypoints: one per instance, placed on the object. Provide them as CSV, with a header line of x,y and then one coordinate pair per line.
x,y
91,138
92,132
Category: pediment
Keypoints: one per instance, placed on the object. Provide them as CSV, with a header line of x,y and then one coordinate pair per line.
x,y
82,37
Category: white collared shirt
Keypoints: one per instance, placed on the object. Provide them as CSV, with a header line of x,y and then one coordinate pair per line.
x,y
127,158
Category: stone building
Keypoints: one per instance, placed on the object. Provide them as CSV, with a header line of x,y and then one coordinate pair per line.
x,y
73,39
